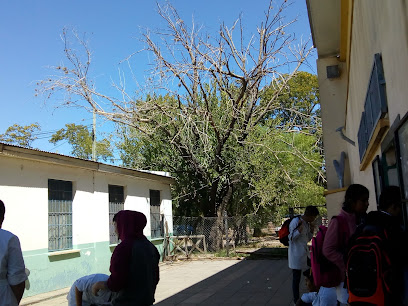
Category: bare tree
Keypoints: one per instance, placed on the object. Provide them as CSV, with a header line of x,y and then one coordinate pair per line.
x,y
208,91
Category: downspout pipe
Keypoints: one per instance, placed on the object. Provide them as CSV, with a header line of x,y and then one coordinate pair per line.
x,y
344,137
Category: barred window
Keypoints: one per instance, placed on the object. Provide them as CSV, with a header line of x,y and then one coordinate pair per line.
x,y
59,215
116,203
156,220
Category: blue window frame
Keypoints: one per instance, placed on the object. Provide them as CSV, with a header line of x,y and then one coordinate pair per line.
x,y
375,106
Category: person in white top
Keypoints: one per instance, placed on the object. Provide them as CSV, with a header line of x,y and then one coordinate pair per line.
x,y
12,269
316,296
300,233
81,291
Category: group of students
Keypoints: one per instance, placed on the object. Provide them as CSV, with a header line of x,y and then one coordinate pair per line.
x,y
364,255
134,268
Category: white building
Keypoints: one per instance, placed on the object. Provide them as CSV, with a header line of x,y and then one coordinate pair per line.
x,y
61,209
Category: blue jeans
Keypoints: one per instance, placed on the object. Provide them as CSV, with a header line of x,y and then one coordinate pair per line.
x,y
296,276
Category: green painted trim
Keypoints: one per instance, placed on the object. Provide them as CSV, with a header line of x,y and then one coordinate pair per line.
x,y
49,273
87,245
35,252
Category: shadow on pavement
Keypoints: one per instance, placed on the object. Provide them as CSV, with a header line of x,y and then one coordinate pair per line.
x,y
269,253
249,282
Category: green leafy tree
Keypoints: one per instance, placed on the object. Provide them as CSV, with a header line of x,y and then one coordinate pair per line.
x,y
20,135
212,101
298,106
283,171
284,166
277,167
80,139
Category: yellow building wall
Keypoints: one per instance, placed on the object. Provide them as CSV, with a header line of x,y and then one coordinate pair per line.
x,y
377,27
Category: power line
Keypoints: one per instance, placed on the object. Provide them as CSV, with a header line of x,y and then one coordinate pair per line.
x,y
64,142
40,133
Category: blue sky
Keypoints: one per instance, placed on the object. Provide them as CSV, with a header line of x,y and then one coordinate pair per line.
x,y
30,35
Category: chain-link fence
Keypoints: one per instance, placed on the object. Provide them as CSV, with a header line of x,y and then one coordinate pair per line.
x,y
218,231
213,234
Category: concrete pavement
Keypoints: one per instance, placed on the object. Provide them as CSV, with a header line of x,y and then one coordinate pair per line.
x,y
53,298
210,282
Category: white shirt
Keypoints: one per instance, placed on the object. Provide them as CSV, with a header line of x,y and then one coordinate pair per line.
x,y
325,297
84,284
12,269
340,293
298,249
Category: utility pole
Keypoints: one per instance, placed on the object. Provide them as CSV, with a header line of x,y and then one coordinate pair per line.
x,y
94,136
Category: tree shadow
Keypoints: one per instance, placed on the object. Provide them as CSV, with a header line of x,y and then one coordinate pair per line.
x,y
249,282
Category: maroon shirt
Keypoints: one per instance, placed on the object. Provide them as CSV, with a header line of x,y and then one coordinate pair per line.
x,y
130,226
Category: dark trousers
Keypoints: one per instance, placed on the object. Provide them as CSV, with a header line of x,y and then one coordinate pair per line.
x,y
296,275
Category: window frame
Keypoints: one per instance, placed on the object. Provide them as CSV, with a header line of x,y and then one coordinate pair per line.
x,y
60,216
116,200
378,177
373,122
156,218
403,184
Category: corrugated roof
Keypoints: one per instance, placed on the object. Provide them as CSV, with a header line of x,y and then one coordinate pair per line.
x,y
56,158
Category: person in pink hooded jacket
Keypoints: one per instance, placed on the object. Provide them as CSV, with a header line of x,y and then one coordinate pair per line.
x,y
341,229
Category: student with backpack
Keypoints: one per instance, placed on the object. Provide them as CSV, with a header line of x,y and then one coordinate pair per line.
x,y
378,253
339,231
326,273
283,233
300,233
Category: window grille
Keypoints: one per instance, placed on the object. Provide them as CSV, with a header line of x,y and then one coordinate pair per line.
x,y
116,204
156,219
59,215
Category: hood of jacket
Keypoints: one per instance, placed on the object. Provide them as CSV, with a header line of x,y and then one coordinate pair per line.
x,y
130,224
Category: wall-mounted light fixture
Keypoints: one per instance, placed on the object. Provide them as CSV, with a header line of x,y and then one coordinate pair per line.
x,y
333,71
